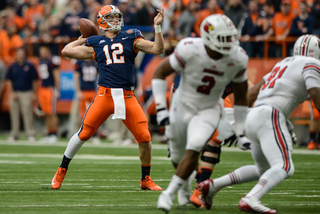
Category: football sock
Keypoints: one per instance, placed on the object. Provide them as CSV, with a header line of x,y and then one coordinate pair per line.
x,y
268,180
312,135
52,132
73,146
65,162
205,173
145,169
238,176
198,176
175,184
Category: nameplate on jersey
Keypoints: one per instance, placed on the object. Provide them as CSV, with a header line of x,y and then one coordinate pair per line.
x,y
119,105
218,73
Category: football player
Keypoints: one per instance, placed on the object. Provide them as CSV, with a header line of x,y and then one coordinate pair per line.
x,y
49,91
207,65
314,127
290,82
115,52
85,79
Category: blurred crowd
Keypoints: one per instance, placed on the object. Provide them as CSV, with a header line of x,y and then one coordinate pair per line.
x,y
56,21
34,23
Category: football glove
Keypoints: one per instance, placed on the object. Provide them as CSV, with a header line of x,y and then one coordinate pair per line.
x,y
231,140
293,135
294,138
163,117
243,142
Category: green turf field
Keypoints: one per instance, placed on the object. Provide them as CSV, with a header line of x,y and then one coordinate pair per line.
x,y
105,179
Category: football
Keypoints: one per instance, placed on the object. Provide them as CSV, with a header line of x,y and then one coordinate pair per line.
x,y
87,28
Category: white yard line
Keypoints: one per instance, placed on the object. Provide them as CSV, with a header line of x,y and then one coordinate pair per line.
x,y
78,156
135,205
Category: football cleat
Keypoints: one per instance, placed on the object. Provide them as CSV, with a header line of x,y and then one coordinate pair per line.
x,y
183,197
58,178
311,145
195,198
184,192
207,192
147,183
165,202
252,205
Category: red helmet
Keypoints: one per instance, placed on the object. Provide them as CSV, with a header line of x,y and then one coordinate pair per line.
x,y
103,19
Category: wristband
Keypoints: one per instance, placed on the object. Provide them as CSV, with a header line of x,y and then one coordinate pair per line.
x,y
157,28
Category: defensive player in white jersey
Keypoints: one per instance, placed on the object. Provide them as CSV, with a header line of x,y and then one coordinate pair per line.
x,y
207,65
289,83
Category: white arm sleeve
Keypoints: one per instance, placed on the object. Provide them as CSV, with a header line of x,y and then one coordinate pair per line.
x,y
159,89
240,115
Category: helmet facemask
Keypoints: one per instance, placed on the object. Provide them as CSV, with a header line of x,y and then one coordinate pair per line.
x,y
219,34
224,43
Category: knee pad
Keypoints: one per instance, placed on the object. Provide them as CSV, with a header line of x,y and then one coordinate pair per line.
x,y
211,149
86,132
144,137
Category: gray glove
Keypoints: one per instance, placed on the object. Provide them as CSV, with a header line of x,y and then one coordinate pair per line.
x,y
163,117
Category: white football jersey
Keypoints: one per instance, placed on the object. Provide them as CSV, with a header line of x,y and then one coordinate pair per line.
x,y
203,79
287,84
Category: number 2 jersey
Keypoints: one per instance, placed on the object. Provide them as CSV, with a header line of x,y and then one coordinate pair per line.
x,y
116,58
288,83
203,79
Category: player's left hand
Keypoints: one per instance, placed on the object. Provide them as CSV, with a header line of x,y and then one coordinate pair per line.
x,y
243,142
163,117
294,138
231,140
159,18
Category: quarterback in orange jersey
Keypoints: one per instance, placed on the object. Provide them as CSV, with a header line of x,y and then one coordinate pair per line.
x,y
115,52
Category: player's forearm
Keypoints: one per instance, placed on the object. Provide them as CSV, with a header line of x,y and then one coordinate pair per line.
x,y
159,43
76,50
34,86
10,88
77,81
56,74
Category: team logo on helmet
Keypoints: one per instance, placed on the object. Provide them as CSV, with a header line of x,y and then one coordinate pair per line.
x,y
208,27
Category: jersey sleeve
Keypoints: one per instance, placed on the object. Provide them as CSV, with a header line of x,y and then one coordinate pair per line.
x,y
9,74
34,72
311,74
242,62
178,59
90,42
77,67
138,34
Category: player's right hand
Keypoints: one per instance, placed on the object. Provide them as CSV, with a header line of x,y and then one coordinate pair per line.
x,y
163,117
